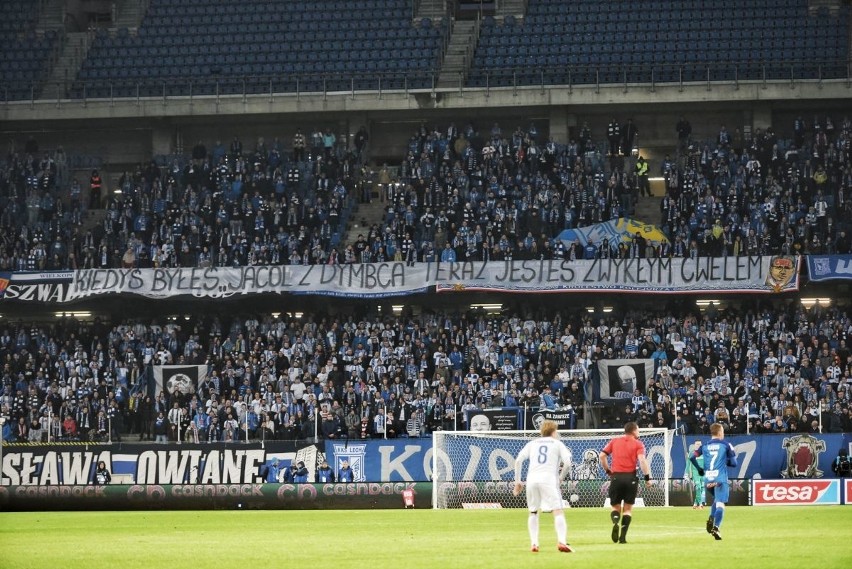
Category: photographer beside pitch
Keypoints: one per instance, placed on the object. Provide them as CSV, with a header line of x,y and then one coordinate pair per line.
x,y
718,456
545,455
624,484
841,464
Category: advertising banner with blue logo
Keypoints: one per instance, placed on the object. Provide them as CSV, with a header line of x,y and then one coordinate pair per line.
x,y
802,492
762,456
770,456
794,455
829,267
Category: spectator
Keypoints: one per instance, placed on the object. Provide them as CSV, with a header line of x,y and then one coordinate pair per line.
x,y
101,476
298,146
161,428
324,473
95,188
345,474
299,473
642,177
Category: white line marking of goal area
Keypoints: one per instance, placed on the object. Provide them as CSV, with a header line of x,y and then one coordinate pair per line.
x,y
680,530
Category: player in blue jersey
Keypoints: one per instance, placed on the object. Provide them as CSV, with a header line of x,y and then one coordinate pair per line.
x,y
718,456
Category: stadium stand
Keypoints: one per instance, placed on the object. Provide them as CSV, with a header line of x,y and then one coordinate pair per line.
x,y
761,370
256,46
583,42
459,194
25,56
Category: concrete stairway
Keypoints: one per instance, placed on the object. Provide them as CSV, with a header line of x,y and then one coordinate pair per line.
x,y
94,219
832,5
459,54
129,13
363,219
648,210
510,8
435,10
52,16
74,49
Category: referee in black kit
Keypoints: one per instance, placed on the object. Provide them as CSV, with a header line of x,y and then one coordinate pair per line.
x,y
625,451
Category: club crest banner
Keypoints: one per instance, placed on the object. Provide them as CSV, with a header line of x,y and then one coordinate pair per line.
x,y
829,267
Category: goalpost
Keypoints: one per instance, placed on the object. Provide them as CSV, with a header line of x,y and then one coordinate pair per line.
x,y
477,469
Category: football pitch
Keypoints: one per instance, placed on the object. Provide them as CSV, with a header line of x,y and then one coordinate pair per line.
x,y
413,539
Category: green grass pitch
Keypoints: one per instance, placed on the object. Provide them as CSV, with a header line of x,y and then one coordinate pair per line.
x,y
412,539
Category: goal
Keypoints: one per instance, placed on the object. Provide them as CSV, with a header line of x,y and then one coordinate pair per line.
x,y
477,469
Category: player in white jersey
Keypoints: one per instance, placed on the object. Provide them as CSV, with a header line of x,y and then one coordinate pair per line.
x,y
545,455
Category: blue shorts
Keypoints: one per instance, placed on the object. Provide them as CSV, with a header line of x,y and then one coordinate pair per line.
x,y
718,492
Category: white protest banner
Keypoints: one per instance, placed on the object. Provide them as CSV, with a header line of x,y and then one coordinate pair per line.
x,y
382,280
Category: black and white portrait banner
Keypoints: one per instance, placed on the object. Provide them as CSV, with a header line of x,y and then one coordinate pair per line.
x,y
620,377
182,378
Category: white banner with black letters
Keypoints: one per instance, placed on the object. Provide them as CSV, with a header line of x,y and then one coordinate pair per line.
x,y
381,280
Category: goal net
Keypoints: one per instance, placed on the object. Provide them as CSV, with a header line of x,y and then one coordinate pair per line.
x,y
477,469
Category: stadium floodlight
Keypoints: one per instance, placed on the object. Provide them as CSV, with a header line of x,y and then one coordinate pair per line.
x,y
811,302
488,307
477,469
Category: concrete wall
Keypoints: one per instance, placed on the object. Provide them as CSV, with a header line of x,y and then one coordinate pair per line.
x,y
128,131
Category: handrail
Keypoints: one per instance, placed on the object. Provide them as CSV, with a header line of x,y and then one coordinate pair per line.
x,y
570,75
472,41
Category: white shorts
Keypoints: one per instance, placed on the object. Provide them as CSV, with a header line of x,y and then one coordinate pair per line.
x,y
543,496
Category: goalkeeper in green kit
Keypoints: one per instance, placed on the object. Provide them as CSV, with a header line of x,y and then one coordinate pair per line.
x,y
695,478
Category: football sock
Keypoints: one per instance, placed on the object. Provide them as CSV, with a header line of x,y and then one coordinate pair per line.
x,y
713,510
614,516
532,526
625,523
717,518
561,528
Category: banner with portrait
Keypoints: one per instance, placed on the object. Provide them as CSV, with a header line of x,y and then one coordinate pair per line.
x,y
565,418
183,378
497,419
618,378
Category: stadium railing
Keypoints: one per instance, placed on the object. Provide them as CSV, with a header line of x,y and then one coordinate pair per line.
x,y
409,80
